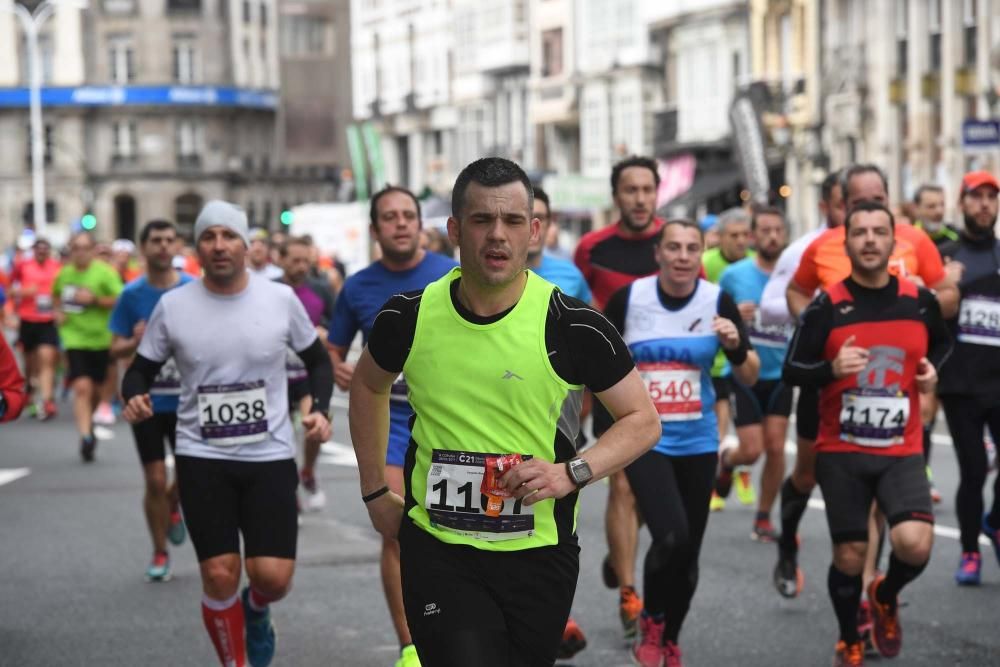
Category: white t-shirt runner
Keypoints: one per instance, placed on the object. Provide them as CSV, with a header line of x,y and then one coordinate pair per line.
x,y
230,351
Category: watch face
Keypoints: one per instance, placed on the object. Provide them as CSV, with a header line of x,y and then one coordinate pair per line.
x,y
580,471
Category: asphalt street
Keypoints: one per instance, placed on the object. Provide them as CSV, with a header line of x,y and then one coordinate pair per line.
x,y
74,549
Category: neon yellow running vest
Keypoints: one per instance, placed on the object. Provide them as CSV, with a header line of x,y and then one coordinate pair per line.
x,y
480,390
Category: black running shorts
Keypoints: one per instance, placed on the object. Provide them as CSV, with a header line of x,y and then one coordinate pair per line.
x,y
35,334
91,364
807,413
767,398
222,499
152,433
466,606
723,388
850,481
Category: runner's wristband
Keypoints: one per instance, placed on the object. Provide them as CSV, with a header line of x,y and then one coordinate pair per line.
x,y
375,494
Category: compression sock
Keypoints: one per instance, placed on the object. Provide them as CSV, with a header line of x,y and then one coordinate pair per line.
x,y
845,593
224,622
899,575
793,506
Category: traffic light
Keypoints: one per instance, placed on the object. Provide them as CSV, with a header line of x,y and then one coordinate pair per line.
x,y
88,221
286,217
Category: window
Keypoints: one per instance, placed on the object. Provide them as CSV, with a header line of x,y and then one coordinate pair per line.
x,y
263,15
184,5
185,59
28,212
246,11
48,133
121,60
552,52
123,142
306,35
971,41
934,27
188,143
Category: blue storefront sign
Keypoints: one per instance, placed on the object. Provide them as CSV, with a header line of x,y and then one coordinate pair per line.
x,y
109,96
980,135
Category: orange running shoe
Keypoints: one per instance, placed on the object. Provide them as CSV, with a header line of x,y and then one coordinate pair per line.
x,y
849,655
887,634
572,642
629,609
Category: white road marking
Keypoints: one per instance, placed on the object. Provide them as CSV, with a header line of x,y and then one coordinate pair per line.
x,y
8,475
942,531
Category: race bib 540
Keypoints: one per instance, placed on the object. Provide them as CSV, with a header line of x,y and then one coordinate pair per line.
x,y
675,389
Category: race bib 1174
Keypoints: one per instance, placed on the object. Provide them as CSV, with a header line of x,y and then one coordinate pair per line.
x,y
873,418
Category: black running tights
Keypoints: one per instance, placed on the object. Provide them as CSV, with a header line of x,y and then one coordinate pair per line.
x,y
673,494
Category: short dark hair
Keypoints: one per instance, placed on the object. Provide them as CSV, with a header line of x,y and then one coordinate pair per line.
x,y
490,172
867,206
831,181
762,209
543,197
633,161
680,222
294,240
926,187
856,170
157,225
373,209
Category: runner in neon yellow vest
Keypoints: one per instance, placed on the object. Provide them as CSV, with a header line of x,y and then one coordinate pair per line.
x,y
495,360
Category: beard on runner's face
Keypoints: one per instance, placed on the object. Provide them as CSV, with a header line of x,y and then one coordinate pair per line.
x,y
973,227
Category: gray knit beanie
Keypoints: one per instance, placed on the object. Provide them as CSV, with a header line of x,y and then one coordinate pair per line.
x,y
225,214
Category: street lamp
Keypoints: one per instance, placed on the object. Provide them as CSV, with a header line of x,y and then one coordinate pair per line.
x,y
31,23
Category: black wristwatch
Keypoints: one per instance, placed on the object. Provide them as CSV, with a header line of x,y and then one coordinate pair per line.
x,y
579,472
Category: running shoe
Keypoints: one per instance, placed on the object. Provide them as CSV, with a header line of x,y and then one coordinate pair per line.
x,y
887,633
968,570
745,492
176,532
88,444
104,415
671,655
648,648
315,498
764,531
992,534
849,655
788,577
261,637
159,567
49,411
103,432
408,657
572,642
723,480
717,503
629,610
608,573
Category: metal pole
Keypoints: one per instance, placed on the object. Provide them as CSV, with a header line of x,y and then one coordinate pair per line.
x,y
31,25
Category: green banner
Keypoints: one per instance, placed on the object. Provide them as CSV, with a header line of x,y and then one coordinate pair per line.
x,y
357,162
374,145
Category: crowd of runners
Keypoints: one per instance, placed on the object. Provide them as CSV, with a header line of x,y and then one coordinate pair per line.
x,y
484,352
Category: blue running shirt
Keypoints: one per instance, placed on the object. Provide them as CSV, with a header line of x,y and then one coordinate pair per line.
x,y
359,301
136,302
745,281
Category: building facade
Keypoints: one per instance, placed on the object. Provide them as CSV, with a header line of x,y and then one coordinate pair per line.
x,y
150,108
